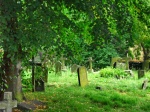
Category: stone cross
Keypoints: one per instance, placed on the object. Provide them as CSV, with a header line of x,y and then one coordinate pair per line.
x,y
63,62
8,103
90,60
58,67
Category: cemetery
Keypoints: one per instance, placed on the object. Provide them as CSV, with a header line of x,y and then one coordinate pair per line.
x,y
74,56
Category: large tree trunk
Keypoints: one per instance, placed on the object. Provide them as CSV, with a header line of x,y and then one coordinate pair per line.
x,y
146,57
10,68
11,77
17,85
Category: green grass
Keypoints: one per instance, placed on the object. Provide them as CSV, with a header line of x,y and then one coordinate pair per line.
x,y
63,94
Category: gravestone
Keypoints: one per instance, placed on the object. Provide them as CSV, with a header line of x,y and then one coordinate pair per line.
x,y
8,103
121,66
74,68
63,63
39,85
114,61
127,59
31,106
90,60
129,72
82,76
140,74
58,67
145,84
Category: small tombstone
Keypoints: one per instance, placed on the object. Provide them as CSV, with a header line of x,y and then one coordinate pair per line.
x,y
90,60
82,76
145,84
129,72
31,106
114,61
121,66
39,85
8,103
58,67
140,74
74,68
127,59
63,62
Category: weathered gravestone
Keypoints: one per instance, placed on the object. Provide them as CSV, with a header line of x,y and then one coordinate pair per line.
x,y
121,66
38,64
145,84
39,85
140,74
114,61
125,60
90,60
120,62
29,106
82,76
58,67
8,103
74,68
63,63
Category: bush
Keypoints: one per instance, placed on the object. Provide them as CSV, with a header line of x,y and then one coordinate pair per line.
x,y
112,72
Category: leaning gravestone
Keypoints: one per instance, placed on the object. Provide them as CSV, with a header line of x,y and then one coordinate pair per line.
x,y
82,76
74,68
8,103
58,67
145,84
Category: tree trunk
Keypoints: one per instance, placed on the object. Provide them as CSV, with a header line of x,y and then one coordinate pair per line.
x,y
146,57
11,77
10,69
17,85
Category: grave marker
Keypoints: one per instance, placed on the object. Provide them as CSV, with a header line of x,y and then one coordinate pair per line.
x,y
74,68
82,76
114,61
58,67
39,85
90,60
145,84
8,103
126,59
63,62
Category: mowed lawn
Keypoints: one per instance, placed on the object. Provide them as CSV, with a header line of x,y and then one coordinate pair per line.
x,y
63,94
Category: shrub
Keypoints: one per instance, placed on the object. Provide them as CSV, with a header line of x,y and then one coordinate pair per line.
x,y
112,72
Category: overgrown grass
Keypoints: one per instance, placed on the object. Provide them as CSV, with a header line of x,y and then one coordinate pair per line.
x,y
63,94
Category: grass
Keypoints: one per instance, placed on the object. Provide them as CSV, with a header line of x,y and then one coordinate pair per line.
x,y
63,94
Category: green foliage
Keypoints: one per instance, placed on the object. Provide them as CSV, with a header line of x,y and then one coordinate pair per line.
x,y
112,72
26,80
